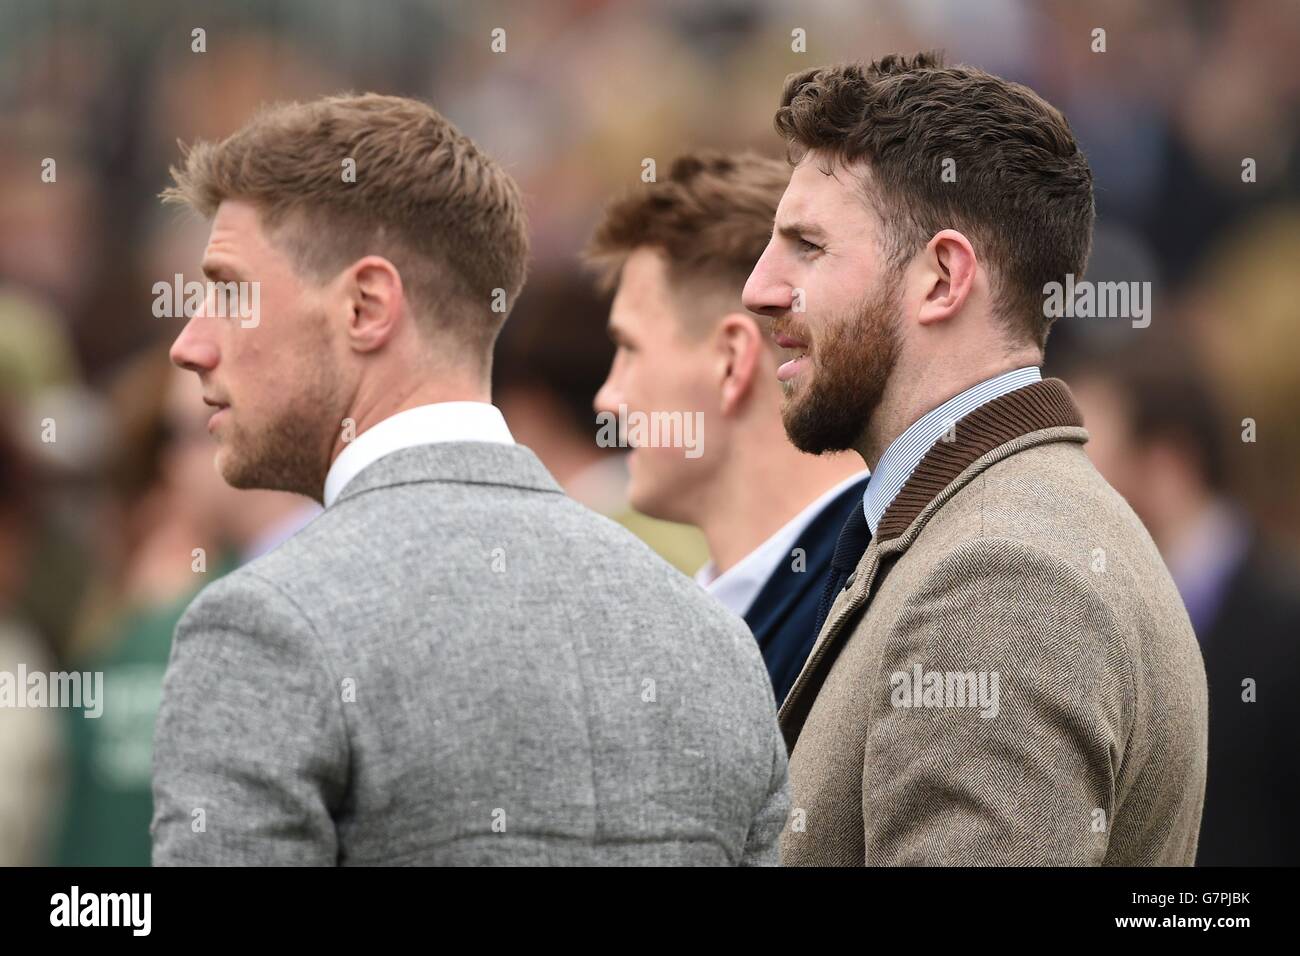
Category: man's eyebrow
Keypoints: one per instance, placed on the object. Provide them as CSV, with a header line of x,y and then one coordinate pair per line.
x,y
799,230
217,271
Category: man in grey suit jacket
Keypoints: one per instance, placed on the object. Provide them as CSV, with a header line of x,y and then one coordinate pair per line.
x,y
454,663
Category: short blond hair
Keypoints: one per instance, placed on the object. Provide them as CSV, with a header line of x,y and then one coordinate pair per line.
x,y
423,196
710,219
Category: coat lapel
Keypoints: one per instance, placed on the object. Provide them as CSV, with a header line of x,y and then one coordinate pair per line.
x,y
1042,412
794,711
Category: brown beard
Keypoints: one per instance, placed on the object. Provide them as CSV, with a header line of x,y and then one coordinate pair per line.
x,y
290,452
852,360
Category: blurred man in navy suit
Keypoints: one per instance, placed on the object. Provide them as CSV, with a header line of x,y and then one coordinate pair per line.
x,y
678,252
1160,439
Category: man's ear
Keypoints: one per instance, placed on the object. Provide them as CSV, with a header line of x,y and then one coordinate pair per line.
x,y
948,270
375,299
739,344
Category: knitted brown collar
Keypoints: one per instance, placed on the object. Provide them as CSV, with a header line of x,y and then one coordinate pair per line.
x,y
1045,404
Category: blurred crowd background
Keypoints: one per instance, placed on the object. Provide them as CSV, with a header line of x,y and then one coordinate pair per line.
x,y
111,516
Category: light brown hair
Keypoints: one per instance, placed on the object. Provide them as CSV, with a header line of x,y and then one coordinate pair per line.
x,y
1023,189
425,197
711,219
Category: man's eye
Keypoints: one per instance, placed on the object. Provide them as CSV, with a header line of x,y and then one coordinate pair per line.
x,y
806,246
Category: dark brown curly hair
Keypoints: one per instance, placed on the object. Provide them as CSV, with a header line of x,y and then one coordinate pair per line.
x,y
1022,192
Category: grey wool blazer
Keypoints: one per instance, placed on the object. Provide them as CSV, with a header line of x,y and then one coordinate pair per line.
x,y
1009,677
457,664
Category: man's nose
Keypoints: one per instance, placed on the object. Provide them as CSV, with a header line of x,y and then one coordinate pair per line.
x,y
610,393
764,292
193,350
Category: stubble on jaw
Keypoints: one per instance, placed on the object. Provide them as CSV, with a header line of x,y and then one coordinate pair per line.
x,y
291,451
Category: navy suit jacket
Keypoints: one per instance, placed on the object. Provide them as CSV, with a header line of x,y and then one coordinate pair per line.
x,y
784,614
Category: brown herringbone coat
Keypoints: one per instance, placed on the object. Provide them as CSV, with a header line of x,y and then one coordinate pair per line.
x,y
1005,553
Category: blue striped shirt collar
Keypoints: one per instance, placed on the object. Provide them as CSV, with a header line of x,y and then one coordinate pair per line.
x,y
906,451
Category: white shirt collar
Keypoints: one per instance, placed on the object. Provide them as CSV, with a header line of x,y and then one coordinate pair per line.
x,y
738,587
422,425
906,451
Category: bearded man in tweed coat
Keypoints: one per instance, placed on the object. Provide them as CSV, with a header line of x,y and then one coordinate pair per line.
x,y
1005,673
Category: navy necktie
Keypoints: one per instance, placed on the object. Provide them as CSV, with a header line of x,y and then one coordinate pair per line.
x,y
849,549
